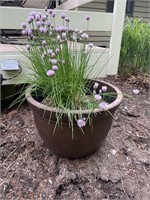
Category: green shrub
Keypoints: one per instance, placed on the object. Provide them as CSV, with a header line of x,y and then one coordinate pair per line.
x,y
135,48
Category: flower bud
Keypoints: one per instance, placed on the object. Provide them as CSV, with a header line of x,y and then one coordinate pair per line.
x,y
57,50
53,14
84,36
103,105
24,25
37,17
98,97
90,45
81,123
50,73
53,55
95,86
88,17
55,67
30,19
104,88
24,32
63,15
28,46
43,42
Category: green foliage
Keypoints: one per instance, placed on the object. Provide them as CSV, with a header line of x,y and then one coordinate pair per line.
x,y
135,48
67,87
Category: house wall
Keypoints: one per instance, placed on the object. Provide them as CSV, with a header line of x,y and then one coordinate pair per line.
x,y
141,9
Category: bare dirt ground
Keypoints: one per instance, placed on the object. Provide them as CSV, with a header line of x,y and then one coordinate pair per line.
x,y
119,170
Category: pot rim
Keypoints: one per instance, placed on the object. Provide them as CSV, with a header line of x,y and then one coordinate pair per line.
x,y
115,103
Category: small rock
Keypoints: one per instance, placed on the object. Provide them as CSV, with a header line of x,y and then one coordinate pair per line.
x,y
113,151
136,91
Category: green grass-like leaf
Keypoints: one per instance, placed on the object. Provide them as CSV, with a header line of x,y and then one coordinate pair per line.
x,y
135,48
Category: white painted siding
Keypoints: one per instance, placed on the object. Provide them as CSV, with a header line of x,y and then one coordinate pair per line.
x,y
141,9
95,6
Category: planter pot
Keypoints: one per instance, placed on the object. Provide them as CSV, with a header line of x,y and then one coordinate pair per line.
x,y
61,142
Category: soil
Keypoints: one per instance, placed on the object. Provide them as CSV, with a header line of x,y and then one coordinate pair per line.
x,y
119,170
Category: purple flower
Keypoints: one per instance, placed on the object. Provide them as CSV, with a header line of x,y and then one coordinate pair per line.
x,y
30,19
90,45
81,122
57,50
48,23
88,17
104,88
37,17
39,13
24,25
136,91
50,11
49,51
54,61
24,32
84,36
58,28
43,18
55,67
43,30
28,46
95,86
50,73
38,24
103,105
29,31
53,55
64,28
33,13
53,14
98,97
63,15
43,42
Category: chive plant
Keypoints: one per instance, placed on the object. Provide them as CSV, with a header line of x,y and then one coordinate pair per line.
x,y
59,65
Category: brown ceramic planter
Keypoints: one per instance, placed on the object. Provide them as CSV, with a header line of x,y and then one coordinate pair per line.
x,y
61,142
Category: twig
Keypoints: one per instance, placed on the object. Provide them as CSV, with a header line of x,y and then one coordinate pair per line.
x,y
146,171
147,102
2,183
9,155
143,151
139,136
3,124
7,167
